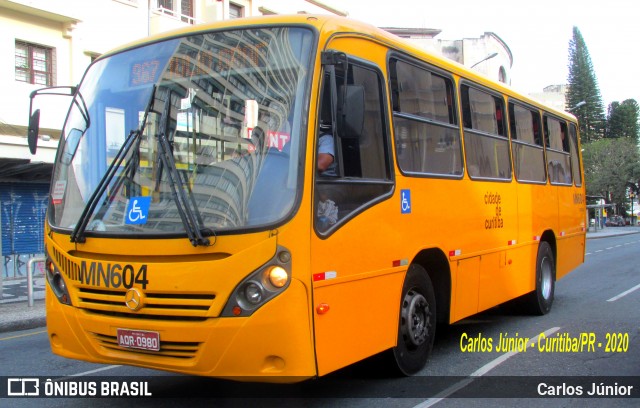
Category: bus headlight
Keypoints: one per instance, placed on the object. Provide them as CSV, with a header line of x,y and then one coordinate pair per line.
x,y
260,286
57,283
253,293
278,276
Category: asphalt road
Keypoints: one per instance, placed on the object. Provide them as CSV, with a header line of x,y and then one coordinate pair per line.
x,y
598,303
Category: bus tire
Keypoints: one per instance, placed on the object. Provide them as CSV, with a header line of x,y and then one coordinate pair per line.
x,y
417,324
539,301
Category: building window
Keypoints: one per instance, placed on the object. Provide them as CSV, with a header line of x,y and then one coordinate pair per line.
x,y
34,64
165,4
182,9
235,11
186,11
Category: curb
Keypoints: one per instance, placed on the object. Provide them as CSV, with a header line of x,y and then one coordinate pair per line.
x,y
612,235
25,324
16,316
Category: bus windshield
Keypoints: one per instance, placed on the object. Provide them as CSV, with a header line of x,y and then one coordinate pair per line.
x,y
200,134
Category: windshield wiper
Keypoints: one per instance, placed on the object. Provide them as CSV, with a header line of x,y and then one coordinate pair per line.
x,y
180,189
77,235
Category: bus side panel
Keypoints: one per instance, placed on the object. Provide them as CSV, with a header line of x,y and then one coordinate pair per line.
x,y
359,322
537,212
570,254
572,227
467,278
356,269
488,213
506,275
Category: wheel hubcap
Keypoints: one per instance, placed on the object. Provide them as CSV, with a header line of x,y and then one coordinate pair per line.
x,y
546,277
415,319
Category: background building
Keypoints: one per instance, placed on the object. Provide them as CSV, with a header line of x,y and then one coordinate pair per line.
x,y
487,54
552,95
51,43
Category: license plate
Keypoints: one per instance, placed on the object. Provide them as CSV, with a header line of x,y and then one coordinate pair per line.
x,y
139,339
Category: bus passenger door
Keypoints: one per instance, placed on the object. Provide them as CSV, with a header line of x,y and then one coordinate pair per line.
x,y
355,290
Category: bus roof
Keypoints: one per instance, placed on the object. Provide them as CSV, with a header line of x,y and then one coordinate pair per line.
x,y
329,26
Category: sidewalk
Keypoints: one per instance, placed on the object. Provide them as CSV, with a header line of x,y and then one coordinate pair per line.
x,y
15,313
613,231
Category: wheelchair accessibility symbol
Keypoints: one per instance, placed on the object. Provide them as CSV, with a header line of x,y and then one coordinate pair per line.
x,y
137,210
405,201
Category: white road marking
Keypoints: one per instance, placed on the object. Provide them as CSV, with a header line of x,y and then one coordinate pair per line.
x,y
478,373
625,293
97,370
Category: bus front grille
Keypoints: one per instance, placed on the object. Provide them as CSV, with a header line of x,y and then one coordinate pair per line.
x,y
172,349
155,306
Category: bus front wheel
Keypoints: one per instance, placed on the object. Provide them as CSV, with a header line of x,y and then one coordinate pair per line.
x,y
417,325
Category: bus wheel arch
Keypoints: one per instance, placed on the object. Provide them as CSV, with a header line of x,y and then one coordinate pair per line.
x,y
417,322
424,304
549,237
436,265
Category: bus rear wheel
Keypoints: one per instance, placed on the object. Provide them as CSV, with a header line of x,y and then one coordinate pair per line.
x,y
417,325
539,301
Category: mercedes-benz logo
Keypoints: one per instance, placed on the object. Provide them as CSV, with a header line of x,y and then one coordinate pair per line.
x,y
133,299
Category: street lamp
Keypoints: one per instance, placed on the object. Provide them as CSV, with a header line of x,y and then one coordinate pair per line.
x,y
579,104
492,55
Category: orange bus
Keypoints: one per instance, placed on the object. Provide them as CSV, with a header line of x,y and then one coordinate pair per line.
x,y
190,230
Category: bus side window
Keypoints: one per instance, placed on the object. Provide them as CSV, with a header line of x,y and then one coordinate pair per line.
x,y
486,144
363,158
526,144
575,157
426,127
326,156
558,157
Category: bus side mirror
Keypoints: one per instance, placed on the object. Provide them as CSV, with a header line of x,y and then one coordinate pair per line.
x,y
351,122
33,130
34,118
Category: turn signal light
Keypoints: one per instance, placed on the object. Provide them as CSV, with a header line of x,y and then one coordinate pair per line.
x,y
322,308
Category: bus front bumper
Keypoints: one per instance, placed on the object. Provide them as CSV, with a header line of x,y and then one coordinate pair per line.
x,y
274,344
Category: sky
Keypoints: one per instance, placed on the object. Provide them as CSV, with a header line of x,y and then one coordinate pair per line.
x,y
537,32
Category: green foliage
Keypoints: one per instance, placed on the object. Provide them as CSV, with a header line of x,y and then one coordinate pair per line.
x,y
622,120
583,86
611,166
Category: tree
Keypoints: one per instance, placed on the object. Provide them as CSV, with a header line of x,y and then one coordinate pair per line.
x,y
611,166
622,120
583,87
